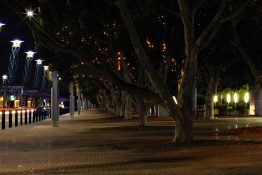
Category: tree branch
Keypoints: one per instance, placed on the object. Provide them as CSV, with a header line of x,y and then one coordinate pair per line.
x,y
212,24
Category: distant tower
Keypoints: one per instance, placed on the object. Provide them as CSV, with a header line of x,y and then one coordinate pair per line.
x,y
27,69
13,60
39,66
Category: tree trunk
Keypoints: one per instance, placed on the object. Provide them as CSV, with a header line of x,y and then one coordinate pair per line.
x,y
156,81
128,107
183,132
142,111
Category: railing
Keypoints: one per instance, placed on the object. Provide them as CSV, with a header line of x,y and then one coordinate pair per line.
x,y
15,118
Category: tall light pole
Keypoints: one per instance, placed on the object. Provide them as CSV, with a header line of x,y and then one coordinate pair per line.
x,y
1,25
16,44
39,63
27,69
44,77
4,78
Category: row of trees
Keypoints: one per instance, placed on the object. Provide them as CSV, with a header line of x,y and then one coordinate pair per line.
x,y
141,52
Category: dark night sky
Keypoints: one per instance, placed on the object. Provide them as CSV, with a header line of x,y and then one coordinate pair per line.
x,y
15,28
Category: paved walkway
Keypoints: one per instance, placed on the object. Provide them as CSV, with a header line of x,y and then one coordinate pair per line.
x,y
95,144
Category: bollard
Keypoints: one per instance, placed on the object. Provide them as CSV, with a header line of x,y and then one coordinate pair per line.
x,y
16,118
10,119
25,117
34,117
21,118
30,115
3,119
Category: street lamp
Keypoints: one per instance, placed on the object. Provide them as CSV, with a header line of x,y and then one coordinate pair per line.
x,y
246,97
228,99
4,78
1,25
39,61
29,13
30,54
215,99
235,98
16,43
246,100
46,68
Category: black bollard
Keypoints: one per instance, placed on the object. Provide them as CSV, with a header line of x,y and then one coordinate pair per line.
x,y
34,117
30,115
10,119
25,117
16,118
3,119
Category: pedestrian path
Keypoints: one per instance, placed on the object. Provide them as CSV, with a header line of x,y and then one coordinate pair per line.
x,y
95,143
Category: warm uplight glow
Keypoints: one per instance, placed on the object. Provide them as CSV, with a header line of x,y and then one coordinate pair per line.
x,y
16,43
174,98
228,98
30,54
29,13
39,61
246,97
4,77
46,68
235,97
215,98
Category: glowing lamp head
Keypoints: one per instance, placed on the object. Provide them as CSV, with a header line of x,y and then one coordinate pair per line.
x,y
1,24
246,97
46,68
39,61
29,13
4,77
30,54
16,43
235,97
215,98
228,98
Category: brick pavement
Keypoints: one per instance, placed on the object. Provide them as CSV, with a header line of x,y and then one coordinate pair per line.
x,y
95,144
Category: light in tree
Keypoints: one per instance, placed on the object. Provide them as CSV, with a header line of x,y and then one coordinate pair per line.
x,y
46,68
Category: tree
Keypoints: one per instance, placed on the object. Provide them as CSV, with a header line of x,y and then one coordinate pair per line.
x,y
69,27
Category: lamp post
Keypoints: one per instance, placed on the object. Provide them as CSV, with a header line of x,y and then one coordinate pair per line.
x,y
4,78
246,100
27,69
16,44
39,63
1,25
215,99
228,99
235,97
